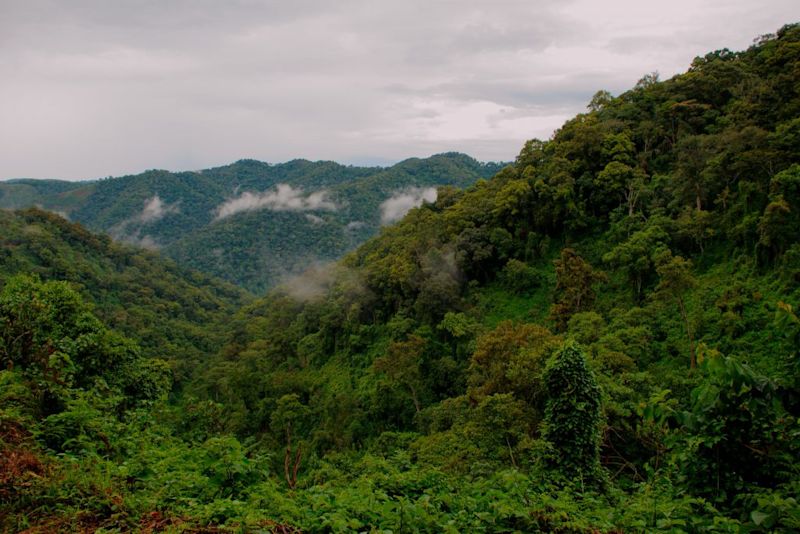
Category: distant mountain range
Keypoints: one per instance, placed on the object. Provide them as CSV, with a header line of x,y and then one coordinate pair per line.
x,y
251,223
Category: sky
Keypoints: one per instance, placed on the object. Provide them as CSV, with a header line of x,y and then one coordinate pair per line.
x,y
90,89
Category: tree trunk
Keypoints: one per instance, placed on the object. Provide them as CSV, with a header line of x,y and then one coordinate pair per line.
x,y
692,354
414,398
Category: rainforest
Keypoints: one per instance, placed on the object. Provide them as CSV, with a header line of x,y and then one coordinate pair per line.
x,y
600,336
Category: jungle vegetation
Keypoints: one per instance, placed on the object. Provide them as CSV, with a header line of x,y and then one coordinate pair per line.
x,y
601,337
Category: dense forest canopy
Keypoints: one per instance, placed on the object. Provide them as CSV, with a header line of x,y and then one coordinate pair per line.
x,y
250,223
602,337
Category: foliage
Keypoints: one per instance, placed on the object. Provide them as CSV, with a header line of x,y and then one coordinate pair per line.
x,y
422,383
572,415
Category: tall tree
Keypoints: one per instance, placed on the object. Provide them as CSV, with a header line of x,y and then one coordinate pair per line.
x,y
575,279
572,413
676,279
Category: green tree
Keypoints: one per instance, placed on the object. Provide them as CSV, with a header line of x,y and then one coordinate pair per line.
x,y
402,365
510,359
572,413
575,280
636,255
676,279
780,224
289,417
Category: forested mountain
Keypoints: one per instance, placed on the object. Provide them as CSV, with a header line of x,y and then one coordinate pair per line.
x,y
250,223
174,313
602,337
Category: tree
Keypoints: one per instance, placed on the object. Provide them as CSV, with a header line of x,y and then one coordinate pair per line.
x,y
51,335
575,279
676,280
401,364
600,100
637,255
510,359
780,224
288,416
696,225
572,413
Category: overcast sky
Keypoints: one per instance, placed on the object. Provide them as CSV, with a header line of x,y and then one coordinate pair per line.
x,y
97,88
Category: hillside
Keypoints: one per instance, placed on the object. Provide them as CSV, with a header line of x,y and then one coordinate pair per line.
x,y
174,313
602,337
267,230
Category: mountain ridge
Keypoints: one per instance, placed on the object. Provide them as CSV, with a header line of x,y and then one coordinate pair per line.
x,y
177,212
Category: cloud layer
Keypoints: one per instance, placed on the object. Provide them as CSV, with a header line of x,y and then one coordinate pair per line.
x,y
283,198
397,205
93,88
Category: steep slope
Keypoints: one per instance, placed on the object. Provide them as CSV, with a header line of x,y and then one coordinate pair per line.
x,y
250,222
173,313
653,241
54,195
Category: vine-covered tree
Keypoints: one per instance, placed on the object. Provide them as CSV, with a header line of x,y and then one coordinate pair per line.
x,y
572,413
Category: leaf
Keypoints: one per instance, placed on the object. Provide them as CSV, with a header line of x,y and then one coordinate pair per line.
x,y
760,517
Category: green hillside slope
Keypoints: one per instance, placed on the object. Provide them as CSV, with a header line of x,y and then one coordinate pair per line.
x,y
174,313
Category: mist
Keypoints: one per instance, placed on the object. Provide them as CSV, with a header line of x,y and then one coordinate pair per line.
x,y
283,198
401,202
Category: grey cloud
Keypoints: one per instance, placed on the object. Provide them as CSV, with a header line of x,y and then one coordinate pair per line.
x,y
283,198
401,202
93,88
311,285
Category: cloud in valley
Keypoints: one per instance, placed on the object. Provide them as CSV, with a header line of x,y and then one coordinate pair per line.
x,y
283,198
130,229
397,205
155,209
352,226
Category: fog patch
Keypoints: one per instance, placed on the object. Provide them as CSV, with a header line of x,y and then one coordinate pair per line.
x,y
145,241
323,280
283,198
155,209
352,226
396,206
129,230
314,219
311,285
138,240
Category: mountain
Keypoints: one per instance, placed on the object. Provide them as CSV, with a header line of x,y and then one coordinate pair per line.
x,y
250,223
173,312
602,337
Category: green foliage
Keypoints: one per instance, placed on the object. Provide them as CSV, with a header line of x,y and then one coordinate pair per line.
x,y
173,313
575,279
572,416
416,385
741,435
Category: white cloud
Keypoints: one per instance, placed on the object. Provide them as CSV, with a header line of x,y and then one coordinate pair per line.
x,y
129,230
401,202
283,198
155,209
